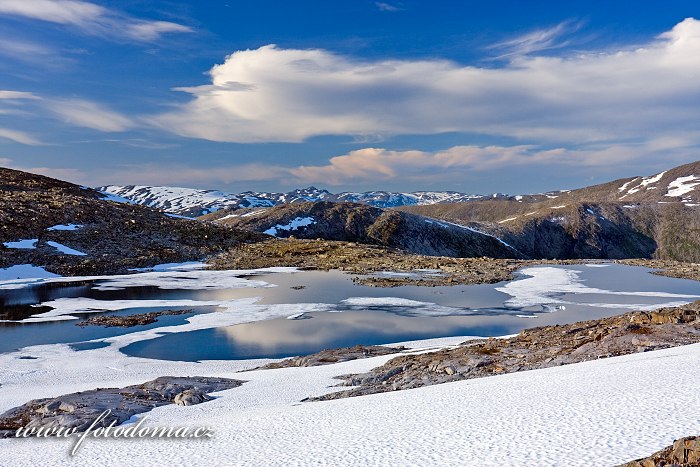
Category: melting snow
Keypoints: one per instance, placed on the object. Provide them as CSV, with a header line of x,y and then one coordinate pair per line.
x,y
546,284
254,213
22,244
624,186
65,249
294,224
682,185
66,227
22,272
577,414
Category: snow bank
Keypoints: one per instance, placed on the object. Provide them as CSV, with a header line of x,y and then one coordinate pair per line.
x,y
547,284
22,244
66,250
184,276
68,227
21,272
602,412
682,185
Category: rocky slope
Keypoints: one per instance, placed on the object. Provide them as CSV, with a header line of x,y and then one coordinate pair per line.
x,y
583,229
81,410
640,217
370,225
72,230
684,452
532,349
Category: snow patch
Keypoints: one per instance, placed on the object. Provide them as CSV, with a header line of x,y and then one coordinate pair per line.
x,y
68,227
22,272
546,285
66,250
682,185
22,244
294,224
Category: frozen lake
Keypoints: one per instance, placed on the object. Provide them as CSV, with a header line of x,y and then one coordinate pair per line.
x,y
329,309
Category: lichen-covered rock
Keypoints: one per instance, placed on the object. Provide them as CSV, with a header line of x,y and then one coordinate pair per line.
x,y
191,397
81,409
532,349
684,452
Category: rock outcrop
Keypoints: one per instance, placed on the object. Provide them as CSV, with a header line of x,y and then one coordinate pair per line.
x,y
533,349
79,410
329,356
684,452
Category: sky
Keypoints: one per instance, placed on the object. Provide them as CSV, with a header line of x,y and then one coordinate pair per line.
x,y
349,95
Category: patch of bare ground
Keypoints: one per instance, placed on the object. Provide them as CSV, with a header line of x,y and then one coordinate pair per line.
x,y
128,321
365,260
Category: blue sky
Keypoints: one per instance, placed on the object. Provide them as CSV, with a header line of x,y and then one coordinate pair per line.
x,y
480,97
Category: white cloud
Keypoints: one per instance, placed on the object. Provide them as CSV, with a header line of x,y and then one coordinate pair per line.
x,y
537,41
379,165
13,95
76,112
89,114
273,94
383,6
19,137
90,18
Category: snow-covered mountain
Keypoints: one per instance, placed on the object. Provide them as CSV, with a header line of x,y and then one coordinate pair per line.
x,y
192,202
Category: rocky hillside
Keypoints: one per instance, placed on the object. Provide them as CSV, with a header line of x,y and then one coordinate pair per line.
x,y
193,203
641,217
72,230
369,225
582,229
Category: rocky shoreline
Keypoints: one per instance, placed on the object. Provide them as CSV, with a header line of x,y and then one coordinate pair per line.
x,y
533,348
330,356
365,261
79,410
667,268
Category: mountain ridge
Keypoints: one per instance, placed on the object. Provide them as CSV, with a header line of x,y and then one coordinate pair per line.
x,y
195,202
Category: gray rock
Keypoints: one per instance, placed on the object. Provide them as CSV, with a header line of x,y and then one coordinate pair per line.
x,y
191,397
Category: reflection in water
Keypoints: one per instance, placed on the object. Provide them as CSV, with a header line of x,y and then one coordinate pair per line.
x,y
280,338
369,315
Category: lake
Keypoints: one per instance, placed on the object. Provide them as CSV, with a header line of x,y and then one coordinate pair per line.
x,y
329,310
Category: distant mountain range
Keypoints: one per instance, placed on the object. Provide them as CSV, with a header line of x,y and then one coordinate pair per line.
x,y
671,186
191,202
637,217
71,229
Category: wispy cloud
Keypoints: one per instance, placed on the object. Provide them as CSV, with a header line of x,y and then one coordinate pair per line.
x,y
378,166
91,19
17,95
19,137
537,41
76,112
88,114
383,6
